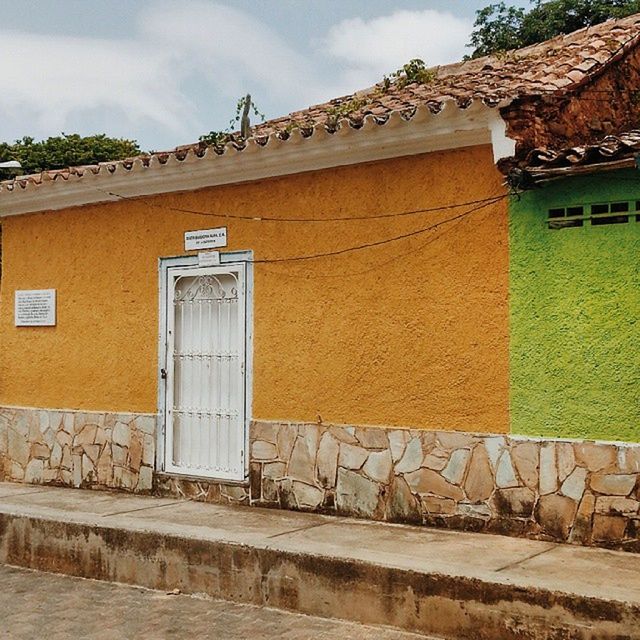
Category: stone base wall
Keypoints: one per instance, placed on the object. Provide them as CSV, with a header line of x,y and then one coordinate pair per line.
x,y
77,449
567,491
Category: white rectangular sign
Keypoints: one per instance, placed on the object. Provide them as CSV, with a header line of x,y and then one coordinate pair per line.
x,y
35,308
208,258
205,239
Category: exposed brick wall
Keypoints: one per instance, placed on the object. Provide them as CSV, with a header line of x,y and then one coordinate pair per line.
x,y
610,103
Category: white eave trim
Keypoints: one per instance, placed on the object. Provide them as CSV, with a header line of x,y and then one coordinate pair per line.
x,y
425,132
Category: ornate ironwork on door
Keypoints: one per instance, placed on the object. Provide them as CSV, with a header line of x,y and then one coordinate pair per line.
x,y
205,396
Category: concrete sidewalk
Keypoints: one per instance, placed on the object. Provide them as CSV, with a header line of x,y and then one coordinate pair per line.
x,y
457,585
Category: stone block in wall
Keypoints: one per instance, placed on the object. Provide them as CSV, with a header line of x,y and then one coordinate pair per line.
x,y
514,502
570,491
327,460
608,529
517,486
556,515
613,484
479,483
526,458
78,448
412,457
357,495
402,505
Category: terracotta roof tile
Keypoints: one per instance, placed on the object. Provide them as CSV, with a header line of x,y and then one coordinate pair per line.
x,y
608,149
548,66
557,65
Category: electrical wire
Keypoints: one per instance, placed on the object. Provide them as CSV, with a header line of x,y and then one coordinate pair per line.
x,y
480,204
377,243
349,273
234,216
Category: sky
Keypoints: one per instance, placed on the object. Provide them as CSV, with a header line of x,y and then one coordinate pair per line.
x,y
164,72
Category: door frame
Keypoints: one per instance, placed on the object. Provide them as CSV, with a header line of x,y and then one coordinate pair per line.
x,y
228,257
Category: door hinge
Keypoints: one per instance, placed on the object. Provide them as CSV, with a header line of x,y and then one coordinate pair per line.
x,y
163,374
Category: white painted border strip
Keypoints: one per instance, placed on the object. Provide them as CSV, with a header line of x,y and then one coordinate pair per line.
x,y
426,132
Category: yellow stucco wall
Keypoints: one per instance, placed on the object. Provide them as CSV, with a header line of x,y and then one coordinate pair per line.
x,y
410,333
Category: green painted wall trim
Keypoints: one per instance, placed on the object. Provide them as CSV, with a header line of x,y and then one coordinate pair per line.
x,y
574,309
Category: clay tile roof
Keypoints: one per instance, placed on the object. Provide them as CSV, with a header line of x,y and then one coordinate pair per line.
x,y
558,65
607,150
549,66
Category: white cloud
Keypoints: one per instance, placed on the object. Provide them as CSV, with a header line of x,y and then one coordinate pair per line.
x,y
54,83
54,79
372,48
228,48
186,61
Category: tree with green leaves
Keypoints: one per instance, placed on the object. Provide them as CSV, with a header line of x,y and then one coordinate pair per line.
x,y
63,151
499,27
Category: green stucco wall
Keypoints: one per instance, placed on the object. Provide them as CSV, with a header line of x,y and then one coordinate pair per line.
x,y
574,314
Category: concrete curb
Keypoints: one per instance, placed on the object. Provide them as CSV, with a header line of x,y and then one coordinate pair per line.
x,y
428,602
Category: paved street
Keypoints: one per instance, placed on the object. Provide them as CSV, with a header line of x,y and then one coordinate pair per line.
x,y
35,605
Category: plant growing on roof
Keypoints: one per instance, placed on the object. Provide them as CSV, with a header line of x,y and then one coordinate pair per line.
x,y
345,109
415,71
244,106
306,123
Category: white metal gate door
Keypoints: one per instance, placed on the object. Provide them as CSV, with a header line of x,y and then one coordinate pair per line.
x,y
205,371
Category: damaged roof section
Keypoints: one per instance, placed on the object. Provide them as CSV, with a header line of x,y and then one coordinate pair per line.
x,y
609,149
610,153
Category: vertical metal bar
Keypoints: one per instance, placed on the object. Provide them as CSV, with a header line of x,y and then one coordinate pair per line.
x,y
212,383
238,439
218,391
189,387
183,363
206,340
176,391
240,375
201,345
179,384
231,452
229,403
170,364
224,391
